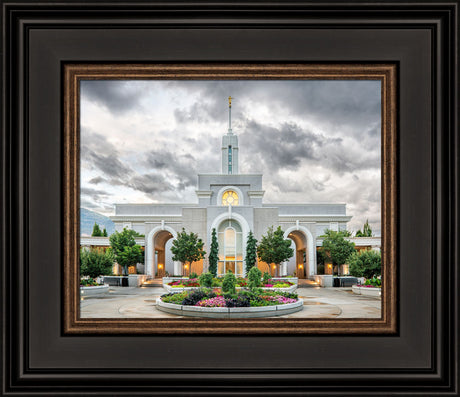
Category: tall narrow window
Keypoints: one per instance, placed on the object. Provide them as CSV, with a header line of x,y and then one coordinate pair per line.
x,y
230,159
230,239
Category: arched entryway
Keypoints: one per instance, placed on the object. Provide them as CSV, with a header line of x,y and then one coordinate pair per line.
x,y
300,253
156,251
235,228
305,257
230,239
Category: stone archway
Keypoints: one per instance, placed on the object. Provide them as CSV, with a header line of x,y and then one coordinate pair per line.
x,y
305,250
155,250
301,261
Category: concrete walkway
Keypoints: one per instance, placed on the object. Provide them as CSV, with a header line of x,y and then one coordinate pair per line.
x,y
127,302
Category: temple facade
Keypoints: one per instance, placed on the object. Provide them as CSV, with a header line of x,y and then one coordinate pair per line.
x,y
232,203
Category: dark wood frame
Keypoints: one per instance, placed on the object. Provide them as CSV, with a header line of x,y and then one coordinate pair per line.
x,y
74,73
421,358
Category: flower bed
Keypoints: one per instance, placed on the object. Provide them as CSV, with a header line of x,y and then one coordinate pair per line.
x,y
184,284
207,302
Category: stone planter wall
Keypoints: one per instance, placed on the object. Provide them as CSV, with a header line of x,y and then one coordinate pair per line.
x,y
369,291
323,280
96,290
136,280
230,312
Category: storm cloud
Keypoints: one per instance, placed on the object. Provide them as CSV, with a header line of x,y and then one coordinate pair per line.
x,y
146,141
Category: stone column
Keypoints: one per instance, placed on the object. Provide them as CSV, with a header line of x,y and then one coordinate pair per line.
x,y
177,268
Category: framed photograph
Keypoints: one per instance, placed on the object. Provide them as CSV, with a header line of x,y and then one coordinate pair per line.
x,y
230,203
239,132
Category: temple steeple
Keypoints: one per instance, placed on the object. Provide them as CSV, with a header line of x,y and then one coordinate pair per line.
x,y
230,146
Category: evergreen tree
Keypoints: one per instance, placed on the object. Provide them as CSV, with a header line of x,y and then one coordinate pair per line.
x,y
273,248
104,233
337,248
213,254
251,252
96,231
367,231
187,248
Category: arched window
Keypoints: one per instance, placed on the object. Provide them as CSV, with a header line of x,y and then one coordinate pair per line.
x,y
230,198
230,239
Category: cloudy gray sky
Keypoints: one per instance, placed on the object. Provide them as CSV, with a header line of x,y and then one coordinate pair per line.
x,y
314,141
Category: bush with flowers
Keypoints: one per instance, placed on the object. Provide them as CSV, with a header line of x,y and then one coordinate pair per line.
x,y
374,282
215,297
192,282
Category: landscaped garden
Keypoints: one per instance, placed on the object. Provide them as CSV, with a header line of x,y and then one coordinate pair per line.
x,y
215,297
240,283
228,296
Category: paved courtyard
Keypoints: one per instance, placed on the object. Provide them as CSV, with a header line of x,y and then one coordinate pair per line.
x,y
126,302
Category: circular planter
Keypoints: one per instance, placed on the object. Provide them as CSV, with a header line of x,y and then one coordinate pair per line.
x,y
367,291
230,312
95,290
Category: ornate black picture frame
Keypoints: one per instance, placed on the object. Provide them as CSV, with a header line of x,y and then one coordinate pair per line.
x,y
40,38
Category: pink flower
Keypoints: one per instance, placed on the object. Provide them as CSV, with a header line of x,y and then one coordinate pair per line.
x,y
218,301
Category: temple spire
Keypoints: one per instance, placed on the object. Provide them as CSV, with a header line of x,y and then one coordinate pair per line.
x,y
230,115
230,146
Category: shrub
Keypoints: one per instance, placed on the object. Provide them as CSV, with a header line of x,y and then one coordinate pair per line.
x,y
239,301
228,285
96,263
174,298
254,276
90,282
193,275
266,278
281,285
206,280
365,264
217,282
376,282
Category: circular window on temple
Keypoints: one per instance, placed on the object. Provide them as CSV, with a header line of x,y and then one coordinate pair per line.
x,y
230,198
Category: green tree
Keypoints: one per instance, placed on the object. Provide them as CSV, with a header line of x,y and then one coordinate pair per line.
x,y
130,256
104,233
367,263
121,240
251,252
337,248
187,248
213,254
96,231
96,262
273,248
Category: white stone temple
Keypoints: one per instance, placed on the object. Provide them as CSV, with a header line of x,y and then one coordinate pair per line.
x,y
232,203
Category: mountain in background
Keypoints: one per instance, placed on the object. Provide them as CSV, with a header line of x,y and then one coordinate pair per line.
x,y
88,218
